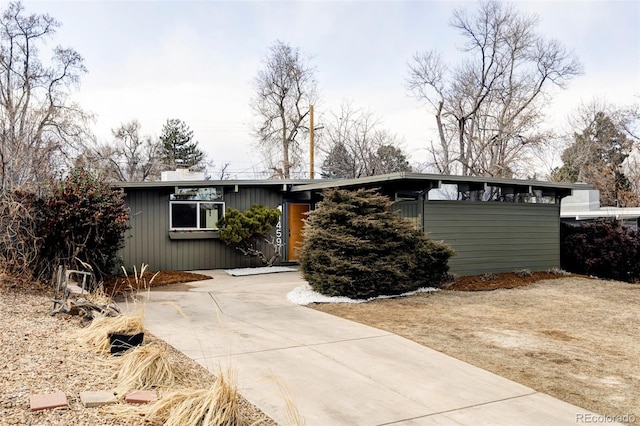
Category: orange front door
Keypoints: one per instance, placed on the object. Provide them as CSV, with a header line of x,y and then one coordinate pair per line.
x,y
296,215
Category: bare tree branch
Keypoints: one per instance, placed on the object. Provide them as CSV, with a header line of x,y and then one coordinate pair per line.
x,y
285,88
489,108
39,126
355,145
130,157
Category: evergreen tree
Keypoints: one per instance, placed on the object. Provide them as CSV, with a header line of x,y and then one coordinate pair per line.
x,y
178,147
596,156
341,164
249,230
338,164
355,246
390,159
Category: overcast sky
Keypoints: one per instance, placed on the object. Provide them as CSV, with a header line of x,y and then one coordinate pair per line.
x,y
154,60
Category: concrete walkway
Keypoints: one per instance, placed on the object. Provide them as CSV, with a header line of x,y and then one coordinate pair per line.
x,y
337,372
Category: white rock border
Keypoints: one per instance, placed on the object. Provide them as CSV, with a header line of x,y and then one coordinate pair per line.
x,y
243,272
305,295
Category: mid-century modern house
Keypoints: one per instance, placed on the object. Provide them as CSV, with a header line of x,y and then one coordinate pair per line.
x,y
494,225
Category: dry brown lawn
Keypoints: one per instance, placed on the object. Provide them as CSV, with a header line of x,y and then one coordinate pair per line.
x,y
573,338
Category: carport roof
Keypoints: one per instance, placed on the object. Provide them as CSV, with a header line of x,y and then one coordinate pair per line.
x,y
406,181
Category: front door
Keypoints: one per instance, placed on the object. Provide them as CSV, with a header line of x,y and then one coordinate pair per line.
x,y
296,213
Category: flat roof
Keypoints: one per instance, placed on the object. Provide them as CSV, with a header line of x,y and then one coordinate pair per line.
x,y
399,179
433,181
203,183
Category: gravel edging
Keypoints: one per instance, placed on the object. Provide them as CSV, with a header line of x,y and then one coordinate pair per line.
x,y
39,355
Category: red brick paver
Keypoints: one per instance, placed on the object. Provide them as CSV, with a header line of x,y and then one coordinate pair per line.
x,y
46,401
141,396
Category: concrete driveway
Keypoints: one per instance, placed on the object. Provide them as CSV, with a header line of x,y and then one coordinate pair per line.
x,y
337,372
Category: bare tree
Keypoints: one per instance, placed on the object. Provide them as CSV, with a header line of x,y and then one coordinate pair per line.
x,y
355,145
285,88
223,172
39,124
631,126
631,169
130,157
140,155
489,108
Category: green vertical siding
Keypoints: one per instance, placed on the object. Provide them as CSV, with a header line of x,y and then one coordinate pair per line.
x,y
148,239
496,237
411,210
487,237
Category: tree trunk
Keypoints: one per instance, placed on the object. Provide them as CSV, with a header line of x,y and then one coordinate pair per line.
x,y
446,167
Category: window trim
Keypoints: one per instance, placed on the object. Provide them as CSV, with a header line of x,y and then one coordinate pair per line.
x,y
197,203
193,235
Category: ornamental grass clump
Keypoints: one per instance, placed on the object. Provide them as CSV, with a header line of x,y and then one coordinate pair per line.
x,y
100,296
135,282
294,418
217,405
355,246
146,367
96,335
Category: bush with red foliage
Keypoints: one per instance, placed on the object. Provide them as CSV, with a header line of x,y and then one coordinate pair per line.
x,y
84,218
603,248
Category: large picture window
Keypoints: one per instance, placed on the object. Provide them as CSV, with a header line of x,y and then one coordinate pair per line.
x,y
193,209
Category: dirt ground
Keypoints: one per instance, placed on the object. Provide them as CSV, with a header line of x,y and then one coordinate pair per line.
x,y
574,338
39,353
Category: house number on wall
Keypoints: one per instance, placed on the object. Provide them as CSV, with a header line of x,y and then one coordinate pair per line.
x,y
279,229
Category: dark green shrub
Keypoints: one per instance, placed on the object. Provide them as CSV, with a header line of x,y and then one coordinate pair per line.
x,y
355,246
247,231
84,218
603,248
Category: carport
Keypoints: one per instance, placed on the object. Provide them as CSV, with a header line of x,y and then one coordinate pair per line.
x,y
493,224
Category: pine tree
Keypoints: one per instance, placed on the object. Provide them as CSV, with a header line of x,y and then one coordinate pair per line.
x,y
248,231
178,147
355,246
390,159
338,164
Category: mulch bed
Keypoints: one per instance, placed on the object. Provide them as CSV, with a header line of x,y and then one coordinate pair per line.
x,y
119,285
483,282
499,280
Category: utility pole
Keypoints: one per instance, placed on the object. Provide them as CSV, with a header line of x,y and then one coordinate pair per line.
x,y
311,141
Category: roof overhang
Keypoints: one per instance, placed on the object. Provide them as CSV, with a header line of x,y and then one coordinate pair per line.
x,y
401,181
415,181
284,184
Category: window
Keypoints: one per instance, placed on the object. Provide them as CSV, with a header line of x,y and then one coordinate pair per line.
x,y
195,209
211,193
